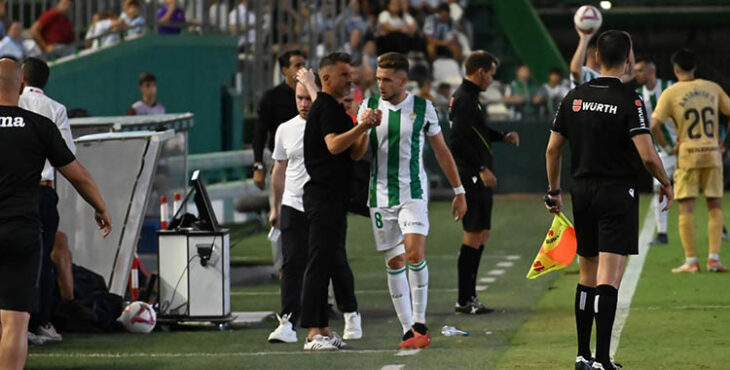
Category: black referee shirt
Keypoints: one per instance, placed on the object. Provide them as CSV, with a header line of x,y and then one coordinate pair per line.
x,y
470,135
27,139
276,106
599,118
329,174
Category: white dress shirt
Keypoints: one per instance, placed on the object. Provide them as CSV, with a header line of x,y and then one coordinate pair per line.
x,y
289,146
34,100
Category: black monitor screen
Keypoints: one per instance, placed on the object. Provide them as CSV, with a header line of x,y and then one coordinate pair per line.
x,y
206,214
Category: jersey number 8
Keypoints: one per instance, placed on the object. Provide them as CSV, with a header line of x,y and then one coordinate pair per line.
x,y
707,123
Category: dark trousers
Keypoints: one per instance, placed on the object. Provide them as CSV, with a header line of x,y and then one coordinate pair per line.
x,y
47,201
326,259
294,237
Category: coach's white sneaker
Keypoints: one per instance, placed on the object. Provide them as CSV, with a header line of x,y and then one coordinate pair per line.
x,y
35,340
319,343
337,341
353,329
49,333
284,333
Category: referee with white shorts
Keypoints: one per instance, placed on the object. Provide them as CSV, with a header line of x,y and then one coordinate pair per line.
x,y
29,139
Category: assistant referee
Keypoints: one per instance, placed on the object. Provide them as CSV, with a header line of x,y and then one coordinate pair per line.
x,y
470,144
28,139
605,123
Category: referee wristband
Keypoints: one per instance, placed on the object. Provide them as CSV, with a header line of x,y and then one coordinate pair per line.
x,y
553,193
459,190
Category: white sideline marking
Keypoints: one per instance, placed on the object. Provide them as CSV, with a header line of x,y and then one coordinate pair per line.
x,y
408,352
201,354
505,264
496,272
393,367
366,291
684,308
631,277
487,280
513,257
251,316
481,288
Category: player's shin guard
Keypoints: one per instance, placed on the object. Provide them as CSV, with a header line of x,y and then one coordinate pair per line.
x,y
687,234
584,298
418,279
605,307
714,230
400,294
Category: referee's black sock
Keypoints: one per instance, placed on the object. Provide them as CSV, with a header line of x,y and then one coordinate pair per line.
x,y
468,265
606,297
584,297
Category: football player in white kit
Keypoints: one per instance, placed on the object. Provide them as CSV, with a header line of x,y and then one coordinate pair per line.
x,y
398,198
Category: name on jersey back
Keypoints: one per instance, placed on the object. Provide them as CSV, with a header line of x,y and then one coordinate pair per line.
x,y
9,122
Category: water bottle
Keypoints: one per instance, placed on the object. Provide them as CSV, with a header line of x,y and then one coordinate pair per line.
x,y
450,331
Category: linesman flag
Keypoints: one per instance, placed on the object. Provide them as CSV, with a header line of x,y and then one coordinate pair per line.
x,y
558,249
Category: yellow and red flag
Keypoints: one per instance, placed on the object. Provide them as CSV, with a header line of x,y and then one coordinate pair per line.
x,y
558,249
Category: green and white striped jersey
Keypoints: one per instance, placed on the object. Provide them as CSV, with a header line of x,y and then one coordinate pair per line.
x,y
587,74
397,145
651,97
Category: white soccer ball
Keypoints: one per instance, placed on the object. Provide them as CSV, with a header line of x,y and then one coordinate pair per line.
x,y
138,317
588,18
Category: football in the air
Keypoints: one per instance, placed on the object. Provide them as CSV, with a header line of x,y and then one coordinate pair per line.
x,y
588,18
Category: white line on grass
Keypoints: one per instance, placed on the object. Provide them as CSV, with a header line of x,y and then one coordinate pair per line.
x,y
631,277
393,367
685,308
481,288
496,272
202,354
365,291
487,280
505,264
513,257
408,352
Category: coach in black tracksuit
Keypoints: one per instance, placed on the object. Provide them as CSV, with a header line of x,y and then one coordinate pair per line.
x,y
604,121
470,142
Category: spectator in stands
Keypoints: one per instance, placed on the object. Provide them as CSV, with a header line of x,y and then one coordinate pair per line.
x,y
171,18
440,31
424,90
355,28
104,31
520,92
243,22
148,104
53,32
396,29
356,72
442,98
12,44
551,93
131,20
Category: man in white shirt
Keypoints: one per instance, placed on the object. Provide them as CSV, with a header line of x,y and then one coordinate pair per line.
x,y
35,77
12,44
287,181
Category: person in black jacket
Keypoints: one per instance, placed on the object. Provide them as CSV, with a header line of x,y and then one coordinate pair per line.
x,y
470,143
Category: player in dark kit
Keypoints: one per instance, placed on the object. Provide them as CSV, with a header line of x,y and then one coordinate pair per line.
x,y
27,139
605,123
470,145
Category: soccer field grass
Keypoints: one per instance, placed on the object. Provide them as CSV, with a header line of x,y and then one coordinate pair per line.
x,y
674,323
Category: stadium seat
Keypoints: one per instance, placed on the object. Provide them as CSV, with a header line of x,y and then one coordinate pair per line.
x,y
447,70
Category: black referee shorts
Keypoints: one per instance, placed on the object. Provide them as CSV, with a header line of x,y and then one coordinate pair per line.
x,y
606,216
478,215
20,265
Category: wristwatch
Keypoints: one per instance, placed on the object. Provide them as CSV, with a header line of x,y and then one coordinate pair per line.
x,y
258,166
553,193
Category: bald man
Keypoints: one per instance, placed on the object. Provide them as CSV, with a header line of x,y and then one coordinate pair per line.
x,y
30,139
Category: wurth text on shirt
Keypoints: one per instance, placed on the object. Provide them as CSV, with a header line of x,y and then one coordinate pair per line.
x,y
580,105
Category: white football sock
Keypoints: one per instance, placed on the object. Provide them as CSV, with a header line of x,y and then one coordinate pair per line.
x,y
401,296
418,279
